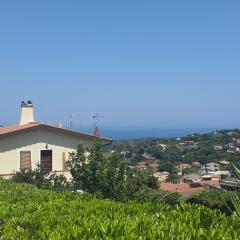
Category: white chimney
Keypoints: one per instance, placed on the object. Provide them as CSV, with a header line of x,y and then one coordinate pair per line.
x,y
26,113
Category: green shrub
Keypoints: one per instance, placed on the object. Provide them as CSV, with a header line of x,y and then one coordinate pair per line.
x,y
214,199
27,212
41,178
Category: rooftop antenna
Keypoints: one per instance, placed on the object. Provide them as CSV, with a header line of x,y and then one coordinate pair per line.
x,y
96,117
70,119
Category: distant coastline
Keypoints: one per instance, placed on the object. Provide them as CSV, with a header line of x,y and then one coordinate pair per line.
x,y
127,133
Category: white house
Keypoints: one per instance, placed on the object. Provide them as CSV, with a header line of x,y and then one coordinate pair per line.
x,y
24,145
209,168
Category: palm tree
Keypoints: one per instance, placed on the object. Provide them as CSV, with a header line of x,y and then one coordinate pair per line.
x,y
235,195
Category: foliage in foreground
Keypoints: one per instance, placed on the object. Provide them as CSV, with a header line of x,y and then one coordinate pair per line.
x,y
214,199
27,212
108,176
235,195
41,178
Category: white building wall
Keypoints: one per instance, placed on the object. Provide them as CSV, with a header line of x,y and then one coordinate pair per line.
x,y
34,141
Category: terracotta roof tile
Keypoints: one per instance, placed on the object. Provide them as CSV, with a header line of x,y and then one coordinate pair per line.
x,y
14,129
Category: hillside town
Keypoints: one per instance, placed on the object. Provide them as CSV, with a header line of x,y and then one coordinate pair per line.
x,y
192,164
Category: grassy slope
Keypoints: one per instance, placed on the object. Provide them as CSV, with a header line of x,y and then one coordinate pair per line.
x,y
30,213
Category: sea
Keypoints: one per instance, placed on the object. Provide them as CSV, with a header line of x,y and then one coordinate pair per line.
x,y
128,133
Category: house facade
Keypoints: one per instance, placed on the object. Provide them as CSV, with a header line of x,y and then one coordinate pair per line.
x,y
29,143
209,168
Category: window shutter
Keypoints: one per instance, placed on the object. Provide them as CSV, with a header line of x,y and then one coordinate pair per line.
x,y
25,160
64,158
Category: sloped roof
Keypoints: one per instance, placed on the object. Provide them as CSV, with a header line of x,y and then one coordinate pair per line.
x,y
16,129
224,162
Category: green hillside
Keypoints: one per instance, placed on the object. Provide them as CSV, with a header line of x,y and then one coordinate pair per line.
x,y
204,148
30,213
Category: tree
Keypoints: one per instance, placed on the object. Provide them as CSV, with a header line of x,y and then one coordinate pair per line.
x,y
173,178
107,176
167,166
78,168
40,177
98,174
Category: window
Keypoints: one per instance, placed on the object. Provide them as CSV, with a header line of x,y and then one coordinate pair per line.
x,y
46,159
25,160
64,161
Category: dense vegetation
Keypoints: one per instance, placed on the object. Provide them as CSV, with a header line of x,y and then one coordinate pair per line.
x,y
27,212
214,199
109,176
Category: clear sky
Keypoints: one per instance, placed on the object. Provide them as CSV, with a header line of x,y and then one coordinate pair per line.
x,y
168,64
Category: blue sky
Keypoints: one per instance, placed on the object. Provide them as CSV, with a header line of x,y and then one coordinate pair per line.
x,y
166,64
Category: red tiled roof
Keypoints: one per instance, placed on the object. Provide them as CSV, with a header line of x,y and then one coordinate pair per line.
x,y
15,129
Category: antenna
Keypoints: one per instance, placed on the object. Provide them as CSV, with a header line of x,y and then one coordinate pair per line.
x,y
70,119
96,117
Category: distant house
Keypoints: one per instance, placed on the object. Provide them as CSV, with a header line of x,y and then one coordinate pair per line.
x,y
231,145
223,163
232,148
163,146
183,166
161,176
189,142
222,173
29,143
142,166
218,147
196,164
209,168
148,156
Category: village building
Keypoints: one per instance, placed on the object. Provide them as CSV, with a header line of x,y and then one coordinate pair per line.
x,y
142,166
196,164
190,142
148,157
183,166
223,163
30,143
209,168
161,176
218,147
163,146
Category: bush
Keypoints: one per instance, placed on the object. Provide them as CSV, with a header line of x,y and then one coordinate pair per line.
x,y
41,178
214,199
27,212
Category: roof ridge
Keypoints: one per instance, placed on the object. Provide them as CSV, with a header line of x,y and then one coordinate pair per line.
x,y
11,129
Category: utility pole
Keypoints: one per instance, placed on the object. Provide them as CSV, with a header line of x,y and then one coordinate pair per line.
x,y
70,121
96,117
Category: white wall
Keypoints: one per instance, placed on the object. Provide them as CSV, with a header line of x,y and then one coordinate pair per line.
x,y
36,140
